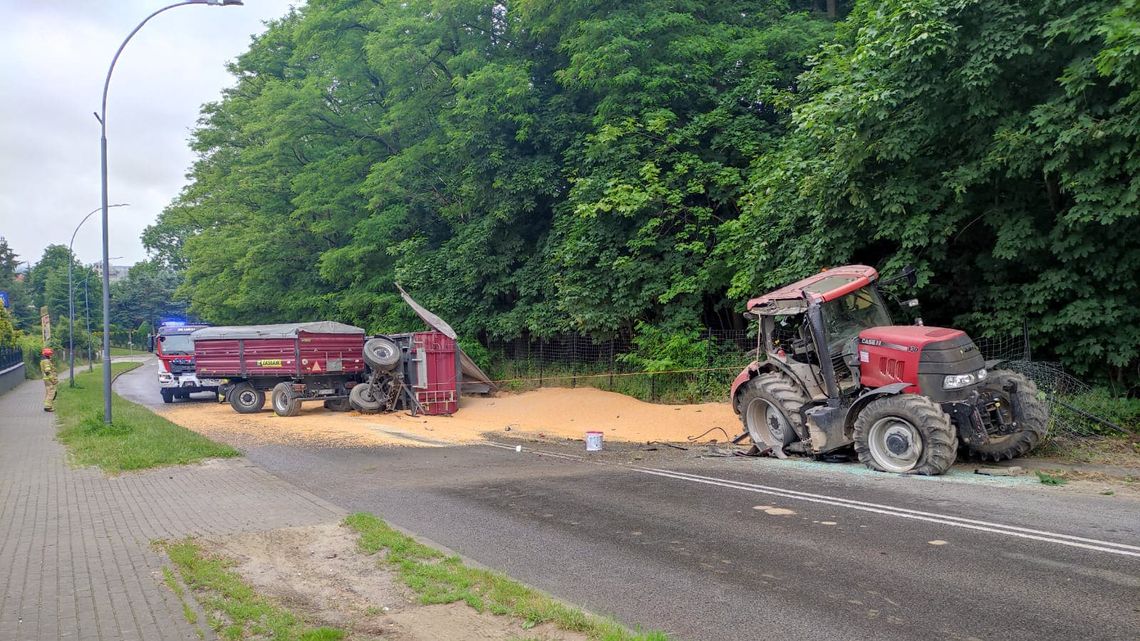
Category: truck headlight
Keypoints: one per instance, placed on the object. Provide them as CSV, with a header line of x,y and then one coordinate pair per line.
x,y
958,381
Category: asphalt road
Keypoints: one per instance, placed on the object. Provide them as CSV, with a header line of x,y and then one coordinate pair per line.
x,y
721,549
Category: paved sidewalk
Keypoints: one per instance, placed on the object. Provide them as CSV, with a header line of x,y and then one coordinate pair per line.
x,y
75,555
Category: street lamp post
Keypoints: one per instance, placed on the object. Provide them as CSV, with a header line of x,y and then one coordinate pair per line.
x,y
102,118
87,313
71,297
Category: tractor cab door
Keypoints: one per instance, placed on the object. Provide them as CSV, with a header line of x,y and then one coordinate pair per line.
x,y
844,318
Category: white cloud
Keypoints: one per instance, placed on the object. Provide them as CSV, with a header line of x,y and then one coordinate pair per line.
x,y
57,54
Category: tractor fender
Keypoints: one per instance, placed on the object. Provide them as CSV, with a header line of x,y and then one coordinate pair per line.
x,y
866,397
756,368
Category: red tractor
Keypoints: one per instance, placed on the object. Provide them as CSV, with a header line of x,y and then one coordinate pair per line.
x,y
836,372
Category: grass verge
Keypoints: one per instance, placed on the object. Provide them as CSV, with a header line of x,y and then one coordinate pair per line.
x,y
438,578
137,439
232,607
1049,479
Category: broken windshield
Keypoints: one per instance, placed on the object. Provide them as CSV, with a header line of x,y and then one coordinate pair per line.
x,y
845,317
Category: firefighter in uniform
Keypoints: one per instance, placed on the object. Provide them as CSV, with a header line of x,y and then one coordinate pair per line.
x,y
50,380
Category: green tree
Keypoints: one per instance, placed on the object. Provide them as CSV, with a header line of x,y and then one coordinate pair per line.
x,y
146,296
993,144
8,333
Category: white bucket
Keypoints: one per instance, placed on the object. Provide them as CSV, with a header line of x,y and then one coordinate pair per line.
x,y
593,441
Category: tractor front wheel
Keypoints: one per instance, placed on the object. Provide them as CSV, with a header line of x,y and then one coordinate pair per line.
x,y
905,434
770,410
1016,396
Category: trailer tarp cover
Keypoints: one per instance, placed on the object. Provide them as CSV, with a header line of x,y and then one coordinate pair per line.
x,y
474,380
285,330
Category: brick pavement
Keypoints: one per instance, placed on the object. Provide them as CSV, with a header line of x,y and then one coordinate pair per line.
x,y
75,555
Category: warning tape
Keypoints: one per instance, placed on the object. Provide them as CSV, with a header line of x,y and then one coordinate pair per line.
x,y
613,374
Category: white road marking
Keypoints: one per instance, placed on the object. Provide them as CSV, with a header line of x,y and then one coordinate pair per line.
x,y
876,508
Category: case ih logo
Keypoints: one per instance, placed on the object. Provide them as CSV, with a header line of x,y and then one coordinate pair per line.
x,y
269,362
878,343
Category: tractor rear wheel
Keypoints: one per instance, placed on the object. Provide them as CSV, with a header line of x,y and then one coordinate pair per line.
x,y
905,434
770,410
1018,394
285,403
245,399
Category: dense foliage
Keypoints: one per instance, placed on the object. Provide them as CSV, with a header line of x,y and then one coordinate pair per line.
x,y
996,145
535,167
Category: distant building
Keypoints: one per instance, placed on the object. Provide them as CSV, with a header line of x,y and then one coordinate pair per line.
x,y
118,272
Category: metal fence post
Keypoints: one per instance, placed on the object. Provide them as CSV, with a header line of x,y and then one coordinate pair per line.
x,y
540,360
1025,334
708,363
611,364
573,361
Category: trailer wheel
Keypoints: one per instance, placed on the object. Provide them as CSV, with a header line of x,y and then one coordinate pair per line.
x,y
167,396
245,399
362,398
381,354
338,404
284,402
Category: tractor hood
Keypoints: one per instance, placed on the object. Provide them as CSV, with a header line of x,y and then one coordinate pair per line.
x,y
921,356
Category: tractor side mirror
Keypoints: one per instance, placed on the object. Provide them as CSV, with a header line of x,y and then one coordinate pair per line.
x,y
908,273
911,275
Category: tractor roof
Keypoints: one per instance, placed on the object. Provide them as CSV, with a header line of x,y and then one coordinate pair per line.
x,y
824,286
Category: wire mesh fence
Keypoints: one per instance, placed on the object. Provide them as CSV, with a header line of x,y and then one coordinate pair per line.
x,y
702,366
700,370
1077,410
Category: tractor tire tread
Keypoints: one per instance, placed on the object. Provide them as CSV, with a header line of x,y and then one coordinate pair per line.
x,y
1036,418
939,438
780,388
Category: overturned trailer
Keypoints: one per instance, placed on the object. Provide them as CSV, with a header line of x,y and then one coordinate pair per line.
x,y
424,372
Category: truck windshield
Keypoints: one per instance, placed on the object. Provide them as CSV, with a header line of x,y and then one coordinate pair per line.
x,y
845,317
177,344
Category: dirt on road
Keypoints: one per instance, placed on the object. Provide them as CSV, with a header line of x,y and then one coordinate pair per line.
x,y
551,413
318,572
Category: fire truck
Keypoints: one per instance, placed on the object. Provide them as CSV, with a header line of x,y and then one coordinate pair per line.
x,y
177,376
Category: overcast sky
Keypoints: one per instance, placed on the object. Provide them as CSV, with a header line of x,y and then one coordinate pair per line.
x,y
56,54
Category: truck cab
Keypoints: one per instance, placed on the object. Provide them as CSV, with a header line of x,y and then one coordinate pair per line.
x,y
177,376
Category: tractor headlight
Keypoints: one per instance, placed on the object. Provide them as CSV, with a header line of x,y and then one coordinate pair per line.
x,y
958,381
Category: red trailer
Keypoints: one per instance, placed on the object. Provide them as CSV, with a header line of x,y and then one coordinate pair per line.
x,y
436,378
297,361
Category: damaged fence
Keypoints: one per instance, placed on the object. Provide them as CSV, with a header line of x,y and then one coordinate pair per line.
x,y
700,367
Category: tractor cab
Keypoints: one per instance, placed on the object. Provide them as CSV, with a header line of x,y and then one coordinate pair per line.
x,y
830,354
